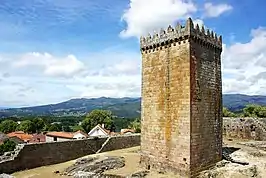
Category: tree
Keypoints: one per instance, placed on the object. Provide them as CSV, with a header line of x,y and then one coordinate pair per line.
x,y
27,126
76,128
7,146
46,127
96,117
261,112
8,126
227,113
66,128
55,127
121,123
39,124
253,110
135,125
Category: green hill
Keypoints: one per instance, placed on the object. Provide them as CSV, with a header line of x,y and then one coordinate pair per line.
x,y
122,107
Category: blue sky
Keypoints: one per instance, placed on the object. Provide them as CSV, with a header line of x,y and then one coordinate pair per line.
x,y
55,50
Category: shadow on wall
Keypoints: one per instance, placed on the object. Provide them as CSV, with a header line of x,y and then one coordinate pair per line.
x,y
42,154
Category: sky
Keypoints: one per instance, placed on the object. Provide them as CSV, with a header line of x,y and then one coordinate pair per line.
x,y
55,50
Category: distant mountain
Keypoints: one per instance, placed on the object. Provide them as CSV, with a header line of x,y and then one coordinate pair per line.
x,y
236,102
122,107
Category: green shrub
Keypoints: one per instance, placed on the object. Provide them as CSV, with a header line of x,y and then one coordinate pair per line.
x,y
7,146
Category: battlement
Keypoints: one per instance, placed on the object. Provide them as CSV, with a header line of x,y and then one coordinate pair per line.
x,y
181,33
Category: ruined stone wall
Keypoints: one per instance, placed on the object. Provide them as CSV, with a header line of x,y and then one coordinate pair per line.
x,y
245,128
181,99
42,154
206,105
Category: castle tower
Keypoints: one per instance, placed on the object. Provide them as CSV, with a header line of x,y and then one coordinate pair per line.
x,y
181,99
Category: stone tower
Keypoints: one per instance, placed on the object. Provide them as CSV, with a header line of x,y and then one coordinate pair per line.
x,y
181,99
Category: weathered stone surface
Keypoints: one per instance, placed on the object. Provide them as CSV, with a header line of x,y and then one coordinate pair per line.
x,y
261,145
245,172
222,169
242,153
140,174
35,155
94,167
181,102
245,128
6,176
12,154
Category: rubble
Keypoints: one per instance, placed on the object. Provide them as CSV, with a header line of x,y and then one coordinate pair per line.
x,y
246,152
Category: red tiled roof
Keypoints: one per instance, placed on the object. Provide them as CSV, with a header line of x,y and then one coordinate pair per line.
x,y
16,139
83,133
123,131
20,134
61,134
37,138
115,133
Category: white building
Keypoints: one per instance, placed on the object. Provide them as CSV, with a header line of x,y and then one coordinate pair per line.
x,y
99,130
80,135
65,136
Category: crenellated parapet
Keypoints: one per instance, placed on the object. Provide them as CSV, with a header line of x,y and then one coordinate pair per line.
x,y
181,33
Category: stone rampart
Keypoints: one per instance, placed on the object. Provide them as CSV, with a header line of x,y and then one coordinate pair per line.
x,y
43,154
245,128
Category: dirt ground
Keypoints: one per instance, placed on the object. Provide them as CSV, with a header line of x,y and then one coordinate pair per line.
x,y
48,171
255,156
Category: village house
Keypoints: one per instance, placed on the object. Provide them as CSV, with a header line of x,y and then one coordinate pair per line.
x,y
65,136
20,137
16,140
99,130
37,138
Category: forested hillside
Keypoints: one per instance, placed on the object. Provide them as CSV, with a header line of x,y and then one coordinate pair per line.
x,y
121,107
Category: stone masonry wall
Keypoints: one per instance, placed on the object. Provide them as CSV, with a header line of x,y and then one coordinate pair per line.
x,y
181,99
245,128
42,154
206,106
165,108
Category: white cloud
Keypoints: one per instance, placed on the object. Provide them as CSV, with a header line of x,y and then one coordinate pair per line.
x,y
26,91
35,78
121,79
212,10
68,67
111,86
50,65
199,22
145,16
123,67
244,65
